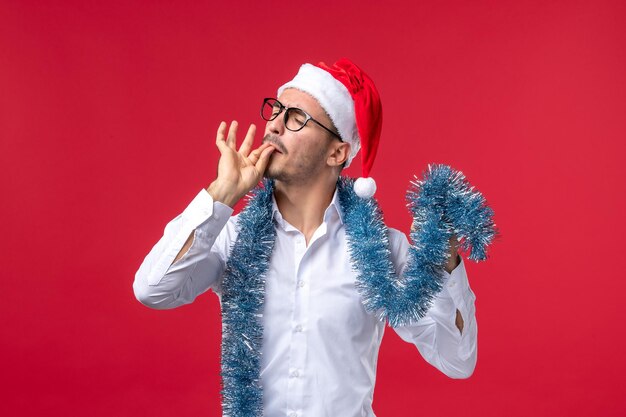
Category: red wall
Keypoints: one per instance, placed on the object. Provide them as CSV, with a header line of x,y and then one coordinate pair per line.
x,y
108,112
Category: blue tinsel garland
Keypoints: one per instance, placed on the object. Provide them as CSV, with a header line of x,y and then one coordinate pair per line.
x,y
243,294
442,204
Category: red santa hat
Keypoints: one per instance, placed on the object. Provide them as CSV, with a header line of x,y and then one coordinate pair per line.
x,y
349,97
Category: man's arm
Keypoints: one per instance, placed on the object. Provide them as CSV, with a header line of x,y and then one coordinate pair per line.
x,y
166,280
188,259
447,335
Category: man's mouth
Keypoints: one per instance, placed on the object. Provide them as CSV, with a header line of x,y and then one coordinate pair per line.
x,y
280,148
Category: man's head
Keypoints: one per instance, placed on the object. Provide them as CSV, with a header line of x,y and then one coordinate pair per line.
x,y
307,143
339,98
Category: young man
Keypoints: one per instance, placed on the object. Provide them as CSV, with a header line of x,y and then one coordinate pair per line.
x,y
298,339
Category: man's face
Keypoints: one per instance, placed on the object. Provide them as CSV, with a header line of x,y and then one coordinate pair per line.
x,y
299,156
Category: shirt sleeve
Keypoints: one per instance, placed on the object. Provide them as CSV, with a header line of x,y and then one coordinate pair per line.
x,y
435,335
161,284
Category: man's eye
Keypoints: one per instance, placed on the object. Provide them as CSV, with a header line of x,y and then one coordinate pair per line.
x,y
298,117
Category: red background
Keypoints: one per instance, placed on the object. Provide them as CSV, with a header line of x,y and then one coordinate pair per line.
x,y
108,112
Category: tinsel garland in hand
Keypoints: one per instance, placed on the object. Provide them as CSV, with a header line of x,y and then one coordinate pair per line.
x,y
442,204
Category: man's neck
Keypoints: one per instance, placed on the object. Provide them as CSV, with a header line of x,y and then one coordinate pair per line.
x,y
303,206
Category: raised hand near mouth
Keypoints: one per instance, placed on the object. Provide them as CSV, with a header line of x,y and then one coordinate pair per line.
x,y
238,171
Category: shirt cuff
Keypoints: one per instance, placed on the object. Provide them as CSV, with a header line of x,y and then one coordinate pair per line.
x,y
201,209
456,287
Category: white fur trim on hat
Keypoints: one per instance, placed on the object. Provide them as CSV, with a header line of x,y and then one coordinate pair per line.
x,y
334,98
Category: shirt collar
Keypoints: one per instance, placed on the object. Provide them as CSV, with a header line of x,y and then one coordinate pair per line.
x,y
333,207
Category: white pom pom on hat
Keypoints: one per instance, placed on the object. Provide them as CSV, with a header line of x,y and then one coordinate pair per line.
x,y
365,187
350,98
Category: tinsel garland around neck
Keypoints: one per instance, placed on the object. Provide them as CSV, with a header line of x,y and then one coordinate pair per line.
x,y
442,204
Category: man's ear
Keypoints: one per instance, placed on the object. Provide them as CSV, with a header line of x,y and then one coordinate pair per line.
x,y
339,153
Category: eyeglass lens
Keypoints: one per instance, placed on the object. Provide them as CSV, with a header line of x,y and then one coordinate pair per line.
x,y
295,118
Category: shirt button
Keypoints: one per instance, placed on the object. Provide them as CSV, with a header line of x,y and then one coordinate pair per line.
x,y
301,284
293,414
452,284
298,328
294,374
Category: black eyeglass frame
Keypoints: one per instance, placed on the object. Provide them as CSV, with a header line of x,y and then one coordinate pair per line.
x,y
286,116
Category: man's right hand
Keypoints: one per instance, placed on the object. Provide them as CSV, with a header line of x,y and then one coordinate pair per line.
x,y
238,171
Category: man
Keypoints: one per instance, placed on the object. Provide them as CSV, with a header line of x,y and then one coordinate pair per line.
x,y
301,341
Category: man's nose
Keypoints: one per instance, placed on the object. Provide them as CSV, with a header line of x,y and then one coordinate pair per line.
x,y
276,126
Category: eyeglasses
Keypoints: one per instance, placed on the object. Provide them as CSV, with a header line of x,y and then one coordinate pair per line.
x,y
295,118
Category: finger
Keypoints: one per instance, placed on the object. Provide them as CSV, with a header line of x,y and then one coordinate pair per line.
x,y
264,159
247,142
232,135
255,154
220,140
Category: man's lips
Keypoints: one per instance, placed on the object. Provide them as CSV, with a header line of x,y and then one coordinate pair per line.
x,y
275,142
276,150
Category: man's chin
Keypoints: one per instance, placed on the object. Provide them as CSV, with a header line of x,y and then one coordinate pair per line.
x,y
272,173
269,173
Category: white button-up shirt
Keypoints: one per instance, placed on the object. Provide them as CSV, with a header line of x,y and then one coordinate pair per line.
x,y
320,346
